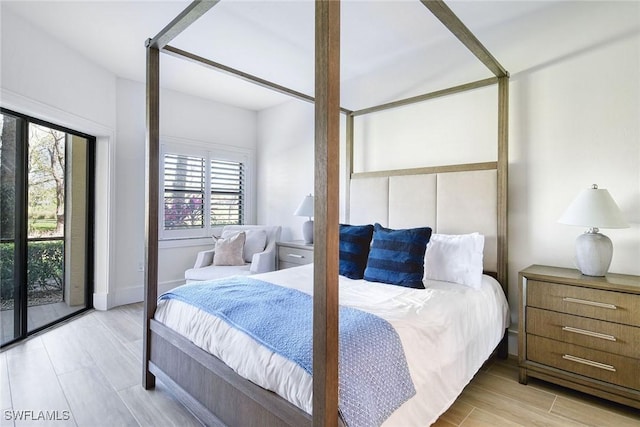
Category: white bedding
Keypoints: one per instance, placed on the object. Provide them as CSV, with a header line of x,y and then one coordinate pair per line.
x,y
447,331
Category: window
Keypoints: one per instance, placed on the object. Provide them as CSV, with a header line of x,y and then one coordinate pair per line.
x,y
201,190
46,224
227,181
184,190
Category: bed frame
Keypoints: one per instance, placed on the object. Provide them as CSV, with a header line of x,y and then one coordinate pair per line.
x,y
211,390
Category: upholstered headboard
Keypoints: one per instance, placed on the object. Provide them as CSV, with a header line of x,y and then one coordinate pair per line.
x,y
450,200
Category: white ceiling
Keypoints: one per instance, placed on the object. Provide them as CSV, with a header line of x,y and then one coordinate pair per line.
x,y
390,49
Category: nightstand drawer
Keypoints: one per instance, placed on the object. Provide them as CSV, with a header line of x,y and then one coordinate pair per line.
x,y
597,334
611,368
289,255
594,303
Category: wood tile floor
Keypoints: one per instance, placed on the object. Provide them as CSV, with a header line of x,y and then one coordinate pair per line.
x,y
87,372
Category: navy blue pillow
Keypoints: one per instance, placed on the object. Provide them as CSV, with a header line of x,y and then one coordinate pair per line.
x,y
397,256
355,241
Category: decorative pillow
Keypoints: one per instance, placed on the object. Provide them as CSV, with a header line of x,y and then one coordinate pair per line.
x,y
255,242
397,256
229,251
355,241
455,258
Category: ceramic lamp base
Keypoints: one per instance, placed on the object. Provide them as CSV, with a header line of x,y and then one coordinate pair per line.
x,y
307,232
593,253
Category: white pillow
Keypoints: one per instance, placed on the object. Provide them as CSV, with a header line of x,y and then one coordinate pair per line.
x,y
455,258
229,250
255,242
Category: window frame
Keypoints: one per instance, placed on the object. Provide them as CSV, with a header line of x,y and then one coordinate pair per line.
x,y
209,152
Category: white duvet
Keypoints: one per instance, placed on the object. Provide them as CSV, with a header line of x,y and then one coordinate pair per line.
x,y
447,330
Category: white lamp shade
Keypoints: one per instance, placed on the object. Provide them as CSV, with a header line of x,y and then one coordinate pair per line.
x,y
306,207
594,207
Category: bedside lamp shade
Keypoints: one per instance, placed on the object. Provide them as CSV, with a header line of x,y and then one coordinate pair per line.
x,y
594,208
306,209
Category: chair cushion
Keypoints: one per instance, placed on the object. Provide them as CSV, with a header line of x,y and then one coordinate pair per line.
x,y
229,251
255,242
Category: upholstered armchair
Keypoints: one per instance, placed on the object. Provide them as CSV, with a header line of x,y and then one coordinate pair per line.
x,y
257,259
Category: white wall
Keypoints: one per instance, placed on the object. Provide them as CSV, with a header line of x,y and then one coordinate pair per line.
x,y
573,122
182,118
461,128
45,79
285,172
285,165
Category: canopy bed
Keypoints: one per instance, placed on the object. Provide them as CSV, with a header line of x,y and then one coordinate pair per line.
x,y
451,200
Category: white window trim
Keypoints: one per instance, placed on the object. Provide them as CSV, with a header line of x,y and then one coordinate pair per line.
x,y
218,151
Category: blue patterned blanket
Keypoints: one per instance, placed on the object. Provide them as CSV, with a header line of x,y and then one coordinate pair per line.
x,y
374,379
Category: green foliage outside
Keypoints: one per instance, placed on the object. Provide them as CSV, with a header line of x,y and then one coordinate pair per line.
x,y
44,268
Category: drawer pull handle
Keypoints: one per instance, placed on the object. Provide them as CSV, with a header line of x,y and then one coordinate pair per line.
x,y
589,333
592,303
589,362
295,256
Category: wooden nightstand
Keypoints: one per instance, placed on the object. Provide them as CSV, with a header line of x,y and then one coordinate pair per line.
x,y
581,332
293,254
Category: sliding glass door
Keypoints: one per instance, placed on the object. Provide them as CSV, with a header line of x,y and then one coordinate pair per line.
x,y
46,226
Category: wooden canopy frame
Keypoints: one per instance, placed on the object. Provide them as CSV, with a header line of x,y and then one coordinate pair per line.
x,y
326,187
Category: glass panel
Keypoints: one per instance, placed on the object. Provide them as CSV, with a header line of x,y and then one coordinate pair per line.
x,y
227,190
184,181
7,234
57,212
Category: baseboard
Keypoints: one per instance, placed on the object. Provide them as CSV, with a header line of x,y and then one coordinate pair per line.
x,y
101,301
135,294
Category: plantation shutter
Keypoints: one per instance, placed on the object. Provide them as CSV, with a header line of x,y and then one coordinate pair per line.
x,y
227,192
184,192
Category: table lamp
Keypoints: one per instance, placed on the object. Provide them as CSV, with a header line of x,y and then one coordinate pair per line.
x,y
306,209
594,208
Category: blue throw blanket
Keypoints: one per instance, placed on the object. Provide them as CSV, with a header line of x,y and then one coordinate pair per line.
x,y
374,379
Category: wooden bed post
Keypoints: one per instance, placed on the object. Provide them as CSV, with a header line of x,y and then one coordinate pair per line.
x,y
503,193
348,164
327,199
191,13
503,167
151,205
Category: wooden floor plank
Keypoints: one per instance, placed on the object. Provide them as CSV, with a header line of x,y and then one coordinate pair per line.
x,y
66,349
480,418
5,390
93,401
592,415
135,347
35,387
119,322
511,409
157,407
443,423
506,368
457,412
118,364
533,396
133,311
